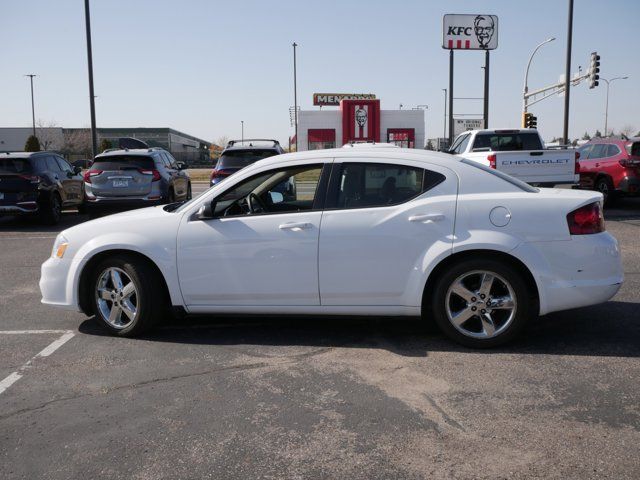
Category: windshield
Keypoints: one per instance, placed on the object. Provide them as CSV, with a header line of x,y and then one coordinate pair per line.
x,y
507,178
15,165
123,162
242,158
508,142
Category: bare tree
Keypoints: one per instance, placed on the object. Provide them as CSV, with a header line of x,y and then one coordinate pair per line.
x,y
627,130
49,134
77,142
222,141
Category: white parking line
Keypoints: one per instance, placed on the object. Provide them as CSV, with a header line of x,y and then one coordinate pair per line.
x,y
45,352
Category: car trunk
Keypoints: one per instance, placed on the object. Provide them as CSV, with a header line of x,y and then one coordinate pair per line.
x,y
122,176
17,182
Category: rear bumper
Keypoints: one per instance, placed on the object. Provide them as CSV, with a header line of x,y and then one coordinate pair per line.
x,y
18,209
629,186
585,270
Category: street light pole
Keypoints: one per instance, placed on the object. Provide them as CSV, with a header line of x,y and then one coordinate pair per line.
x,y
33,110
92,103
606,108
295,93
242,137
525,89
444,130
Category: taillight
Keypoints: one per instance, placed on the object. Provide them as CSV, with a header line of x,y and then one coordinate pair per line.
x,y
90,173
215,173
576,164
154,172
32,178
586,220
492,160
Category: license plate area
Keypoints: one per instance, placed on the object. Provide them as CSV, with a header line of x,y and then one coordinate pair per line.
x,y
120,183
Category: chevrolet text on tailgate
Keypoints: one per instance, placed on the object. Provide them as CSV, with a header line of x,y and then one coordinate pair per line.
x,y
519,153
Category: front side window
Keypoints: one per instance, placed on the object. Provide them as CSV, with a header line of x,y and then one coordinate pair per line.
x,y
585,151
362,185
64,166
460,144
598,151
284,190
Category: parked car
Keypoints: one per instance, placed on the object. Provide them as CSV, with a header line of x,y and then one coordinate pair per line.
x,y
519,153
611,166
40,184
375,232
240,153
126,179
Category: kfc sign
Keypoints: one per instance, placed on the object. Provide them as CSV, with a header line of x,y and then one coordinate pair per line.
x,y
327,99
470,32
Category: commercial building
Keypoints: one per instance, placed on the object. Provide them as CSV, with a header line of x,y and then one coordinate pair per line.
x,y
357,118
76,142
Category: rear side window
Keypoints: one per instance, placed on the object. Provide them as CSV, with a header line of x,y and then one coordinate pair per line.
x,y
507,142
52,165
598,151
242,158
362,185
633,149
123,162
15,165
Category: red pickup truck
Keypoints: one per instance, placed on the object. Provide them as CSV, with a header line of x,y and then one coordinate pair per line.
x,y
611,166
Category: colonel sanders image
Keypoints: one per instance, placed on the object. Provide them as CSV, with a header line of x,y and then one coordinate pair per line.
x,y
483,27
361,117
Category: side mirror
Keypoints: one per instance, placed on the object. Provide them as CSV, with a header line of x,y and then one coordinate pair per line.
x,y
181,165
205,212
77,170
276,197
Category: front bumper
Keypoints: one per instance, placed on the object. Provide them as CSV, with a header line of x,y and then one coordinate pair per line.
x,y
585,270
55,284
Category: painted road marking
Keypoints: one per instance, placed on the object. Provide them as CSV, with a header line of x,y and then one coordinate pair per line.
x,y
45,352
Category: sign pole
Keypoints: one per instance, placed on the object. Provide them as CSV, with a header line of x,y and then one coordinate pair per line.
x,y
295,93
486,89
567,76
450,97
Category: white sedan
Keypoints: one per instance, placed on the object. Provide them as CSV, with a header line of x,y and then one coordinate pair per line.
x,y
351,231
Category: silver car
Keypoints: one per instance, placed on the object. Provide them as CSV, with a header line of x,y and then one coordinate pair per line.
x,y
125,179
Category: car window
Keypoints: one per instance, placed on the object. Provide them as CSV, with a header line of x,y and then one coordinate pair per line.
x,y
242,158
172,161
15,165
282,190
633,149
362,185
165,160
461,144
64,166
585,151
597,151
612,150
504,142
52,165
123,162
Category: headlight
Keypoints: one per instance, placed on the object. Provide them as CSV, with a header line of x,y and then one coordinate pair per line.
x,y
59,246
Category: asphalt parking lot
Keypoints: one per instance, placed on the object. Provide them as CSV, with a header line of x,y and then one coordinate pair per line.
x,y
373,398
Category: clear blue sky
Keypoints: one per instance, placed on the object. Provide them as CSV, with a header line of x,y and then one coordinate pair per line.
x,y
203,66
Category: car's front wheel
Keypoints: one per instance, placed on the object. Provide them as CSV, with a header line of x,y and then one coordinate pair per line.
x,y
51,210
482,303
128,296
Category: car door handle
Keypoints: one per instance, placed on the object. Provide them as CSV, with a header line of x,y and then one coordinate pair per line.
x,y
295,226
427,218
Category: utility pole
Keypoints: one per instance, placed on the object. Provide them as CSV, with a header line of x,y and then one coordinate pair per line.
x,y
606,108
94,134
242,137
295,93
567,75
33,110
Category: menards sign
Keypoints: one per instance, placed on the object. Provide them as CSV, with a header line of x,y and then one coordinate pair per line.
x,y
324,99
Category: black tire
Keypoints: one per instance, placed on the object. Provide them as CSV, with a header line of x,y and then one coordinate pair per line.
x,y
150,298
525,305
51,210
604,185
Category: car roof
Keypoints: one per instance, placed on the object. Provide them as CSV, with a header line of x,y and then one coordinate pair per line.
x,y
609,140
25,154
130,151
251,147
368,150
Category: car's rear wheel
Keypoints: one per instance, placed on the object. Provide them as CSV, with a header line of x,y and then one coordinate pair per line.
x,y
128,297
605,187
51,210
482,303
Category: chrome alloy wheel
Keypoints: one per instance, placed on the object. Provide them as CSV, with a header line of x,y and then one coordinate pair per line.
x,y
116,297
481,304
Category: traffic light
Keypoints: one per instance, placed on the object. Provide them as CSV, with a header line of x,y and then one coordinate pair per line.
x,y
594,70
529,121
